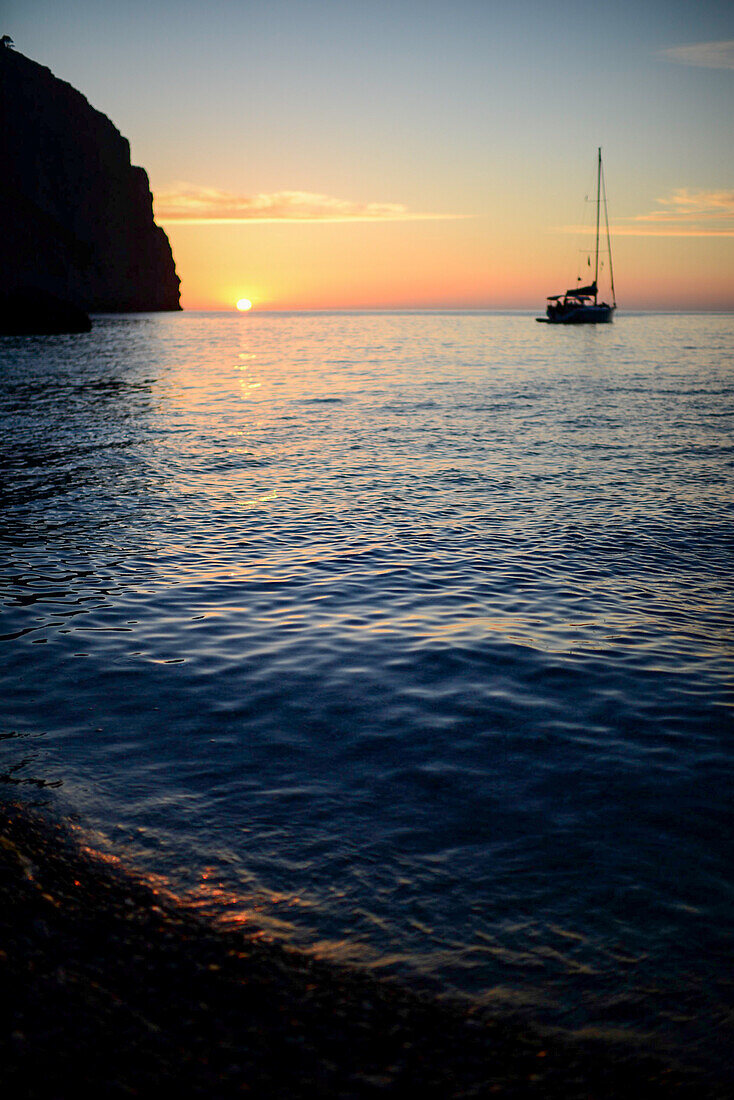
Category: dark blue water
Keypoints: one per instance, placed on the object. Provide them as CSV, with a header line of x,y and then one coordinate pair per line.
x,y
404,638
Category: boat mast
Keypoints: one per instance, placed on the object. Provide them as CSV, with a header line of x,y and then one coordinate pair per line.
x,y
609,239
598,207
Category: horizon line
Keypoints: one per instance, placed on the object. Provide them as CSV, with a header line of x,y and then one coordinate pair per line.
x,y
531,309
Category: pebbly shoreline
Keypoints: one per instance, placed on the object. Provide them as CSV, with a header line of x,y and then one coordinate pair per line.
x,y
106,986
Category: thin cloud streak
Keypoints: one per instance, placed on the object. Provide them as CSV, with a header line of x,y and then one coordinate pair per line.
x,y
668,231
685,214
683,204
189,204
706,55
688,214
647,231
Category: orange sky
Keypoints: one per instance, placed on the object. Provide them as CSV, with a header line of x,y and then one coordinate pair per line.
x,y
407,153
467,264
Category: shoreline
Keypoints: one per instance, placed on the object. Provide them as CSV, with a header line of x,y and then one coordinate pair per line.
x,y
108,986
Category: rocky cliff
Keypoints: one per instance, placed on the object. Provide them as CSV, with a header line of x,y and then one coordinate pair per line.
x,y
76,218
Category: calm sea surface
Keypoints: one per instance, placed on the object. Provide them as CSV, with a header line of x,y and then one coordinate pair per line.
x,y
405,638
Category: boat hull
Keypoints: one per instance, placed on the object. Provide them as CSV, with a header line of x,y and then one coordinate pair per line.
x,y
581,315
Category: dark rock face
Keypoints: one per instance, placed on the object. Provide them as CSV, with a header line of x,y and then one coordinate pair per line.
x,y
76,216
27,312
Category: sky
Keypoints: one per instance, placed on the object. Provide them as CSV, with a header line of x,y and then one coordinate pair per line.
x,y
335,154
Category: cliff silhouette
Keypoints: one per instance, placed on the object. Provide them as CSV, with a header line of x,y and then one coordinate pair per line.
x,y
77,217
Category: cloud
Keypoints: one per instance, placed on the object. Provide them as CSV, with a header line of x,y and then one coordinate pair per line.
x,y
668,231
683,203
683,213
687,213
708,55
189,204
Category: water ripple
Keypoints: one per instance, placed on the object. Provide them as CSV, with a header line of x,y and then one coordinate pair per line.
x,y
410,634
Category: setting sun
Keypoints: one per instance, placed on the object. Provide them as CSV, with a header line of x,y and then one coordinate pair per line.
x,y
244,304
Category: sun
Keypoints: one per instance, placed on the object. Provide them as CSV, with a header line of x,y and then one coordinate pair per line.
x,y
244,304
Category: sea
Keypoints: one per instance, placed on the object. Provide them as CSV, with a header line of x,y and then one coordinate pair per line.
x,y
404,639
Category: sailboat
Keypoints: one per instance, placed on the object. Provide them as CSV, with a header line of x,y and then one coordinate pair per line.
x,y
580,305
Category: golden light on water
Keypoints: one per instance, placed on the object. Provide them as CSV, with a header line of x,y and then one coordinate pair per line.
x,y
244,304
